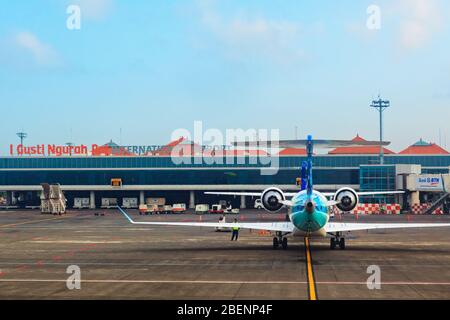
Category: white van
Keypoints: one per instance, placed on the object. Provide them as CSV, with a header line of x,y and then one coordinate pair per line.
x,y
258,204
201,208
130,203
179,208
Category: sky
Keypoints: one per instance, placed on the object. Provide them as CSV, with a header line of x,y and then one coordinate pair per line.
x,y
136,71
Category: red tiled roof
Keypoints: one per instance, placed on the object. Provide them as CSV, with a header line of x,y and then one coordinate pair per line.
x,y
360,150
292,152
184,147
230,153
422,147
176,142
180,147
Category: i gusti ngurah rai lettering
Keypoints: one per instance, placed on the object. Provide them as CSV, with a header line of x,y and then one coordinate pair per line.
x,y
47,150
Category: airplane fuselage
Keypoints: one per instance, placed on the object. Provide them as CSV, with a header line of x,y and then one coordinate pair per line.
x,y
309,213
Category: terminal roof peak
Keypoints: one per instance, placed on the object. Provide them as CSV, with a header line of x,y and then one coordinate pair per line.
x,y
422,143
358,138
423,147
111,144
375,150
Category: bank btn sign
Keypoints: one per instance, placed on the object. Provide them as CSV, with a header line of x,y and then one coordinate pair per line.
x,y
429,182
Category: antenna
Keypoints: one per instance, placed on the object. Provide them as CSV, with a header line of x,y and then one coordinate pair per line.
x,y
70,144
381,105
22,135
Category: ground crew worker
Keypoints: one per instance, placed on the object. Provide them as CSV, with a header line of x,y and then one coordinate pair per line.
x,y
235,231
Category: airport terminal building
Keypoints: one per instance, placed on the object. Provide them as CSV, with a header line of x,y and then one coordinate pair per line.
x,y
158,175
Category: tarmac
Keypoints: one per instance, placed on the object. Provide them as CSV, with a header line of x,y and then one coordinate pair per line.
x,y
118,260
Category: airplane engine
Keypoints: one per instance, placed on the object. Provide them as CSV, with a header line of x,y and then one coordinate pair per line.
x,y
347,199
271,199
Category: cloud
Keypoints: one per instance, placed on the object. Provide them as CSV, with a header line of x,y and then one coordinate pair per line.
x,y
43,54
279,39
420,20
360,31
94,9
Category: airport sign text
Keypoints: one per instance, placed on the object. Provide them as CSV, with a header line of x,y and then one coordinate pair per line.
x,y
429,182
94,149
47,150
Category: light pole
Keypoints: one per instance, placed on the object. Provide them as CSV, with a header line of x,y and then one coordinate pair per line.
x,y
70,145
381,105
22,135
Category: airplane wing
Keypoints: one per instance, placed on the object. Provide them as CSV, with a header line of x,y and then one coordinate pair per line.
x,y
379,193
342,227
248,194
267,226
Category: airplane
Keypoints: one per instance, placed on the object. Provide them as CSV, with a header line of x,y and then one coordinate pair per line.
x,y
309,209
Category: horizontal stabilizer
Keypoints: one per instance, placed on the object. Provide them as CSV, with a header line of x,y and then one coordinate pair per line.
x,y
367,194
332,203
248,194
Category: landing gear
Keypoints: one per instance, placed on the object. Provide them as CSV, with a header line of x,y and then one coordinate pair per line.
x,y
342,244
337,240
284,243
276,244
332,243
280,240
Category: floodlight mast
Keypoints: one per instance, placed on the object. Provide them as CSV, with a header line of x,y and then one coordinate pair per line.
x,y
22,135
381,105
70,145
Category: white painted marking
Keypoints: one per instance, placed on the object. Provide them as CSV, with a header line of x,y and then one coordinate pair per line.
x,y
232,282
156,264
73,241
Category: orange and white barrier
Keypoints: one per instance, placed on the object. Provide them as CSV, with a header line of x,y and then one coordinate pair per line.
x,y
422,207
373,208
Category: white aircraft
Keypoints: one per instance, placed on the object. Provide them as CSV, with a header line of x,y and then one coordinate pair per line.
x,y
309,210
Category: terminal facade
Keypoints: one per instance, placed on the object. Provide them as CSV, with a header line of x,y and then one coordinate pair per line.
x,y
423,177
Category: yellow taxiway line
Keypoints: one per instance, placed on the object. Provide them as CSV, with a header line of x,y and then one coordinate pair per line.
x,y
28,222
312,290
